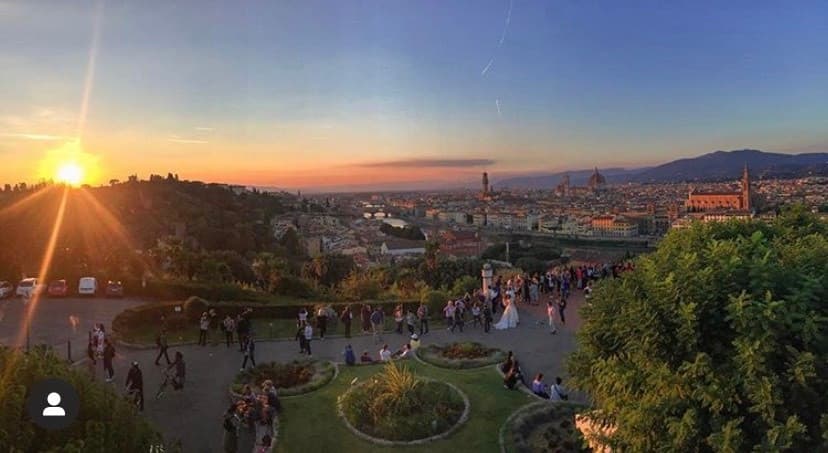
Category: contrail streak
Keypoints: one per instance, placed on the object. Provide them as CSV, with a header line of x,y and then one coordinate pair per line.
x,y
497,104
486,69
90,71
506,24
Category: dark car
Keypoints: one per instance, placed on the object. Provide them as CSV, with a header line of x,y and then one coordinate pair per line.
x,y
58,288
114,289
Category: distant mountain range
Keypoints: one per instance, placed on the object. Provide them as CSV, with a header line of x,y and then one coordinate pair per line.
x,y
718,165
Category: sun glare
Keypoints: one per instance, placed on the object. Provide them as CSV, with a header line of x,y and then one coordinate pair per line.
x,y
69,173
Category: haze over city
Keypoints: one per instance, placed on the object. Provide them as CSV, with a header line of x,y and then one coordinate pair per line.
x,y
335,95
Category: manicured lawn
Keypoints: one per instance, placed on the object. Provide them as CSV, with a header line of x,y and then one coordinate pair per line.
x,y
310,422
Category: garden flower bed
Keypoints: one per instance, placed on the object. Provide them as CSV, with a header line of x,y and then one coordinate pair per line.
x,y
291,378
397,407
460,355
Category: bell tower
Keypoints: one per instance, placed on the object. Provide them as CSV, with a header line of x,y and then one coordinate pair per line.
x,y
746,195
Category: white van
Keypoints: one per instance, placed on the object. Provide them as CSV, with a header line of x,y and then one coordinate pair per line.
x,y
88,286
28,287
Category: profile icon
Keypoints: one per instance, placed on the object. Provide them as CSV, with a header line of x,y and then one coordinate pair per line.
x,y
52,403
53,409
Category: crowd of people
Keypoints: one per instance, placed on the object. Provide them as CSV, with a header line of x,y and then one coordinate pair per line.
x,y
255,412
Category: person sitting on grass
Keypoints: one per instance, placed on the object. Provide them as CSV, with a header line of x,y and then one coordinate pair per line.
x,y
513,376
557,392
414,342
365,357
385,354
539,388
350,358
507,364
404,352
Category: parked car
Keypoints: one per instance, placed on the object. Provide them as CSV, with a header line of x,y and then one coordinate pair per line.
x,y
88,286
6,289
114,289
28,287
58,288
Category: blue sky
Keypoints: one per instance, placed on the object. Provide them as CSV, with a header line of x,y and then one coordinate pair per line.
x,y
288,92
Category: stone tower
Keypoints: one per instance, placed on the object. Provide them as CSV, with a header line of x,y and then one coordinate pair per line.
x,y
485,183
746,195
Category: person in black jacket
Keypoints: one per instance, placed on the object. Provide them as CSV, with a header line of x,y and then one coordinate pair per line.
x,y
161,342
108,355
135,383
249,353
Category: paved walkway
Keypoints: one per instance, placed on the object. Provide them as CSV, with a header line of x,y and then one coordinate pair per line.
x,y
194,415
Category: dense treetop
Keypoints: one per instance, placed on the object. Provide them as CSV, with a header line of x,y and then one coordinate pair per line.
x,y
716,342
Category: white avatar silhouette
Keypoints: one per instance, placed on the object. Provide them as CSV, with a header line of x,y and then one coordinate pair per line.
x,y
54,410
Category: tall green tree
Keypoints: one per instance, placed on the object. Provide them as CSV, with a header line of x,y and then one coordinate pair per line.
x,y
717,341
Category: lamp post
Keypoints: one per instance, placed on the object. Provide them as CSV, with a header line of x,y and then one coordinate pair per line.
x,y
487,274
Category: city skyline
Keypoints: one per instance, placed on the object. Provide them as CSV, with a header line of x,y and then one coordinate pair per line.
x,y
321,96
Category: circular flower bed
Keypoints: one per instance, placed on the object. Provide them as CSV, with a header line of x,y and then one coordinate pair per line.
x,y
292,378
395,406
460,355
545,428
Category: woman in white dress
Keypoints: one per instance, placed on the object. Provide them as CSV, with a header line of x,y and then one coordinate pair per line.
x,y
509,319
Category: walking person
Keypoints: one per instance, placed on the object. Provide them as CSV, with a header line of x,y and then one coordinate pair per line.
x,y
550,315
377,321
422,316
161,342
410,321
347,317
108,355
487,317
203,327
459,321
322,322
229,326
475,311
561,308
448,313
249,353
308,334
399,318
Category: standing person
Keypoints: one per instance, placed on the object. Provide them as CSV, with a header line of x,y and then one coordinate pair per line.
x,y
487,317
203,326
249,353
300,337
410,321
135,383
229,326
180,371
347,316
108,355
303,315
422,315
366,318
458,319
377,321
448,313
322,322
550,315
308,334
399,318
475,310
231,424
240,331
161,342
561,308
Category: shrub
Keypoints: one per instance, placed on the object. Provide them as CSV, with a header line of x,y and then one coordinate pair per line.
x,y
106,422
397,405
546,428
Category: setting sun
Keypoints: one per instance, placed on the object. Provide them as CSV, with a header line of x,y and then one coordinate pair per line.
x,y
69,173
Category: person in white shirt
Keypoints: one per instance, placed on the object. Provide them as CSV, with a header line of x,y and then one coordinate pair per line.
x,y
308,337
385,354
550,315
557,392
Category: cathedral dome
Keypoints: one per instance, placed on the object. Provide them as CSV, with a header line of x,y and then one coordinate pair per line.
x,y
597,179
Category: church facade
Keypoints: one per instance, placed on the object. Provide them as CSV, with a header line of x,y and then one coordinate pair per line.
x,y
702,201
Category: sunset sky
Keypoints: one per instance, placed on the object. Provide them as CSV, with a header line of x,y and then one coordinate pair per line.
x,y
342,94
